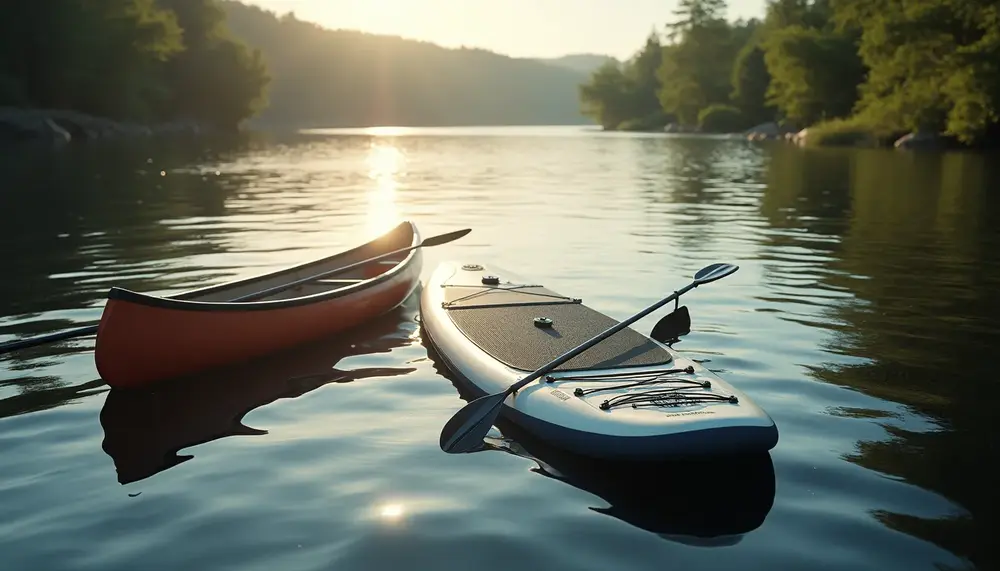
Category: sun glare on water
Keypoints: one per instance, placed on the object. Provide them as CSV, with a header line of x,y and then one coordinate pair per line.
x,y
388,131
385,164
391,512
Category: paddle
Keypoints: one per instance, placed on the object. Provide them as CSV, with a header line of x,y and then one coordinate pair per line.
x,y
674,324
465,430
428,243
79,332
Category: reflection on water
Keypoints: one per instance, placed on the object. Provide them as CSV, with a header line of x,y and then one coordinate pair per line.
x,y
913,278
862,319
144,430
710,503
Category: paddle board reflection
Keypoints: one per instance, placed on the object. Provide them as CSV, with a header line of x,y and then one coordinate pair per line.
x,y
711,502
144,429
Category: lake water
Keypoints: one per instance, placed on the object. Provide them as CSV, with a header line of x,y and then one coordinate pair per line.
x,y
863,319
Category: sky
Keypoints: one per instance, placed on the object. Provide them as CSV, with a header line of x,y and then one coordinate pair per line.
x,y
519,28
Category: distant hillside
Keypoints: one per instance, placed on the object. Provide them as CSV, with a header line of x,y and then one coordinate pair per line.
x,y
584,63
325,77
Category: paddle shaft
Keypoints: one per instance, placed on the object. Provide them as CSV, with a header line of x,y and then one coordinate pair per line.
x,y
598,338
322,275
466,428
432,241
25,343
50,338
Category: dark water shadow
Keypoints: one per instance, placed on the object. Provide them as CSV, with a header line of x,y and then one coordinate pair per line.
x,y
707,503
93,215
145,429
46,392
912,240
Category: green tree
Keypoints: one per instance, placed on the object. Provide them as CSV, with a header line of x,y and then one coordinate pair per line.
x,y
102,56
696,68
643,82
142,60
216,79
123,45
751,80
721,119
607,96
815,14
933,64
625,96
693,14
814,73
877,67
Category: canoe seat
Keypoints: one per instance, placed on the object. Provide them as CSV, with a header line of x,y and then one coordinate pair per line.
x,y
334,281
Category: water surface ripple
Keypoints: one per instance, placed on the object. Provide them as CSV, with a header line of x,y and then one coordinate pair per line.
x,y
862,319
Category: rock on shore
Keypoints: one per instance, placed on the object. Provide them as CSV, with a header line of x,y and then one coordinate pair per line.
x,y
58,127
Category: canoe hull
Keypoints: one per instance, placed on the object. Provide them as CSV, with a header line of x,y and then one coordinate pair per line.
x,y
144,339
473,349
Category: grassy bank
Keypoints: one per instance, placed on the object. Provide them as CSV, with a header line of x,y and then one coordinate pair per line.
x,y
852,132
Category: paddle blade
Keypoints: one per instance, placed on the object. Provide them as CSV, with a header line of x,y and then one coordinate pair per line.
x,y
444,238
464,432
672,326
714,272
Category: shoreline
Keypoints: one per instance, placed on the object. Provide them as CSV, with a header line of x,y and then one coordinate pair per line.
x,y
833,134
55,128
59,127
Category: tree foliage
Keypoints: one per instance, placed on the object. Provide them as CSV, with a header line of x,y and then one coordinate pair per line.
x,y
814,74
721,119
617,93
642,76
695,14
607,96
927,65
216,77
751,80
128,59
696,70
933,65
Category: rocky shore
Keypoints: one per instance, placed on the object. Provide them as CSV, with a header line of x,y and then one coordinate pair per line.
x,y
57,127
801,137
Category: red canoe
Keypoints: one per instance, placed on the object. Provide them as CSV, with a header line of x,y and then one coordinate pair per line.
x,y
143,338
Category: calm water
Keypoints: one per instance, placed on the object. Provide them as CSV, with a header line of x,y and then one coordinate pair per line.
x,y
863,319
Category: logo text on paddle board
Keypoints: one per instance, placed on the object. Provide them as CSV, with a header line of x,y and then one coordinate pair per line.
x,y
559,394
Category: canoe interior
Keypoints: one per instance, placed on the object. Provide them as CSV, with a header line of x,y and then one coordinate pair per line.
x,y
401,236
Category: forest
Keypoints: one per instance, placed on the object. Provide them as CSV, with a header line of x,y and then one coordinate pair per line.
x,y
849,70
852,71
132,60
347,78
222,63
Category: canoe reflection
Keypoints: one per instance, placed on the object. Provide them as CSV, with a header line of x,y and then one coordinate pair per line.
x,y
145,428
705,502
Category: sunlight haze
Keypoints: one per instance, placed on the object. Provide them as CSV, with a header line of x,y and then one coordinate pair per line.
x,y
519,28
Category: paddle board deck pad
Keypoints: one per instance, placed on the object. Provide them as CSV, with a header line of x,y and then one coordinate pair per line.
x,y
627,397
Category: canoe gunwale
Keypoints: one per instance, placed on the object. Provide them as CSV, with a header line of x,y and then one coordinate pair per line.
x,y
181,301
